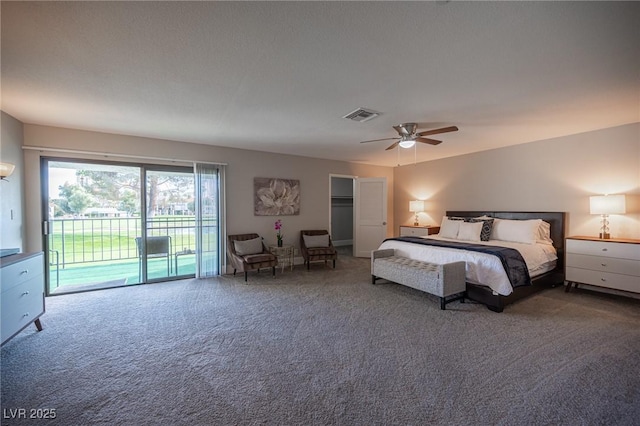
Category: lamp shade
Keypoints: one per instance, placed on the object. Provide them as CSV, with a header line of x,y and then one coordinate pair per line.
x,y
416,206
6,169
608,204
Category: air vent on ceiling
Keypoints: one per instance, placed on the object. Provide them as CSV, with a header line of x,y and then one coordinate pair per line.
x,y
361,115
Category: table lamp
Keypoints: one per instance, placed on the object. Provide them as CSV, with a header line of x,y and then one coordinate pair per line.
x,y
416,207
605,205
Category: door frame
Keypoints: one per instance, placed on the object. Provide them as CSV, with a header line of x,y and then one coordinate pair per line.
x,y
356,203
44,202
353,217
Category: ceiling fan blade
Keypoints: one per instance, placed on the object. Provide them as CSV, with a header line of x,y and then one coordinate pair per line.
x,y
378,140
429,141
438,131
393,146
401,130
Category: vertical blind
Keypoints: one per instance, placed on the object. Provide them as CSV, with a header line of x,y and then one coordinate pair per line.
x,y
209,219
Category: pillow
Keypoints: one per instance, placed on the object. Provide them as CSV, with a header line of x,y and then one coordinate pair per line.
x,y
544,233
487,226
316,240
449,228
246,247
470,231
517,231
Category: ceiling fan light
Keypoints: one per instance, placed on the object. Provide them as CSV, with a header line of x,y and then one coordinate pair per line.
x,y
407,144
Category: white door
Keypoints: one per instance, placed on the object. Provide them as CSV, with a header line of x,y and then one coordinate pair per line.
x,y
370,215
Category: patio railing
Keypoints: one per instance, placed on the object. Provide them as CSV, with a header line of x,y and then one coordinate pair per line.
x,y
73,241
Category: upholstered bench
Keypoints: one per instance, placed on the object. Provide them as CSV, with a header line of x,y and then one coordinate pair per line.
x,y
445,281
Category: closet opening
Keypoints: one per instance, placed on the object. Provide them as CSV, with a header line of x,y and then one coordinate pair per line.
x,y
342,190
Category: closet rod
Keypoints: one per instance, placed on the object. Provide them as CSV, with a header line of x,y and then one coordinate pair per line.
x,y
108,154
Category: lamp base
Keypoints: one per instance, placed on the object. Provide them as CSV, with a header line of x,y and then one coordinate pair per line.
x,y
605,236
416,224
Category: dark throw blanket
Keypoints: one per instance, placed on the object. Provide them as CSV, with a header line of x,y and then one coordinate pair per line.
x,y
511,259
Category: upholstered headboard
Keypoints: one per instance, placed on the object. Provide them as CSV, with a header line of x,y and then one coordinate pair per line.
x,y
557,220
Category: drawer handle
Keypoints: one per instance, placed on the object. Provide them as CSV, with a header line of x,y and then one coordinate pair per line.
x,y
604,249
26,314
25,293
603,264
24,271
602,279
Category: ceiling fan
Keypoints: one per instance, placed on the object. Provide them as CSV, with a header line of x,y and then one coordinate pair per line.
x,y
408,135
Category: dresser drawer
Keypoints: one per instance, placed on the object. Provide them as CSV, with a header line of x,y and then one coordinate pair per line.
x,y
604,264
413,231
603,279
17,273
21,305
604,248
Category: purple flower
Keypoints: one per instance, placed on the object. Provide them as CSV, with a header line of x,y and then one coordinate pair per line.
x,y
278,227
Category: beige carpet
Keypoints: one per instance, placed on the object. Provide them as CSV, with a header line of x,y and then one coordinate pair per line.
x,y
324,347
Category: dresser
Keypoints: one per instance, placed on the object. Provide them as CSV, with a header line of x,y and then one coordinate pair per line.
x,y
418,231
612,263
22,298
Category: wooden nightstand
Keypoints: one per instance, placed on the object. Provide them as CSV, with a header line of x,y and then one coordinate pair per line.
x,y
418,231
612,263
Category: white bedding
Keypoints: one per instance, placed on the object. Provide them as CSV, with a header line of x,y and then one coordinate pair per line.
x,y
482,268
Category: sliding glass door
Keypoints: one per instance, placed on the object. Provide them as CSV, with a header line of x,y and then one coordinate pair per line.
x,y
115,224
169,223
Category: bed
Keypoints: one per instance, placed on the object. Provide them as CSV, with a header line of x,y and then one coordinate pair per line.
x,y
489,278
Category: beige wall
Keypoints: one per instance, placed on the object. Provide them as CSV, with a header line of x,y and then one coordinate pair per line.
x,y
551,175
11,200
243,166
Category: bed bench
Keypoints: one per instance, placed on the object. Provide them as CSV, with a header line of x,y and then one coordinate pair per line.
x,y
445,281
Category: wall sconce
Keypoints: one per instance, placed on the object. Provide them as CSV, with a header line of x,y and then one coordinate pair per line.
x,y
605,205
5,170
416,207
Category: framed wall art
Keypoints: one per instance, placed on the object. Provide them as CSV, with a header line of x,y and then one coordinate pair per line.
x,y
276,197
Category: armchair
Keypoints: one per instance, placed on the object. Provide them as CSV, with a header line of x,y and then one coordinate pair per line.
x,y
316,245
247,252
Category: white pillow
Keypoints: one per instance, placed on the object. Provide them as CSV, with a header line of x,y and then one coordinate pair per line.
x,y
470,231
449,228
316,240
517,231
246,247
544,233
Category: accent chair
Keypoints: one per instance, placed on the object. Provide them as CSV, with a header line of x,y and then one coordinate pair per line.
x,y
316,245
247,252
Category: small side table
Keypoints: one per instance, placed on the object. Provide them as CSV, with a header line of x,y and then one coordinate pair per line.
x,y
284,255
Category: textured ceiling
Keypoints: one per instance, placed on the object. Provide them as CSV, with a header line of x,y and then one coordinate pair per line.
x,y
279,76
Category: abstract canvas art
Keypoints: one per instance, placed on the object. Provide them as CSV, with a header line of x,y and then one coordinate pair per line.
x,y
276,197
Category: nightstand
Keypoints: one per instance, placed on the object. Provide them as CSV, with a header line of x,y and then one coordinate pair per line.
x,y
418,231
612,263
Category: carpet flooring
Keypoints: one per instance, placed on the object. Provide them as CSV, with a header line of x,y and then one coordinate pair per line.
x,y
323,347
